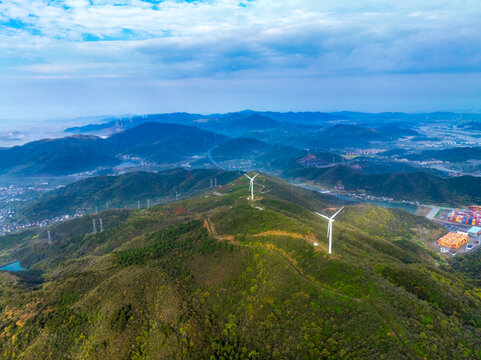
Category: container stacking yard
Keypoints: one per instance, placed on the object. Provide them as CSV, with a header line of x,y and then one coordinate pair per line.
x,y
453,240
471,216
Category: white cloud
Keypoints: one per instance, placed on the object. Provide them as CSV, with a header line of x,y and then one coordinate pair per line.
x,y
217,39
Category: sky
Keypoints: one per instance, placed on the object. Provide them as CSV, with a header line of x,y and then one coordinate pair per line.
x,y
61,59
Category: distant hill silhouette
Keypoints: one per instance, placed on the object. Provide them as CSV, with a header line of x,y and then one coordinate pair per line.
x,y
162,143
57,156
414,186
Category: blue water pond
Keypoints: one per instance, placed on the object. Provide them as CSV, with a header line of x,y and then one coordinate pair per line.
x,y
15,266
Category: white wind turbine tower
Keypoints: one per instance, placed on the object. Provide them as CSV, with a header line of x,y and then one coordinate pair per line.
x,y
251,185
329,226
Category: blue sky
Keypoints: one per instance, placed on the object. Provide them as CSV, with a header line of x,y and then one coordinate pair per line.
x,y
91,57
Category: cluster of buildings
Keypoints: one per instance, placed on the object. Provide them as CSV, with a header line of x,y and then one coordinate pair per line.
x,y
8,225
11,196
362,152
453,241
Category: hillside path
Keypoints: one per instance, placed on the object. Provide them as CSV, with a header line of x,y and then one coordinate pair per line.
x,y
290,263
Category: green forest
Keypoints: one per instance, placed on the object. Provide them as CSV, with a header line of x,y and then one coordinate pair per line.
x,y
218,276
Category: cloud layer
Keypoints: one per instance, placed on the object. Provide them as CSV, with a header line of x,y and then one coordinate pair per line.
x,y
155,46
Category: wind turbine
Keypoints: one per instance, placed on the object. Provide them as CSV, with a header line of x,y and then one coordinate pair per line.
x,y
251,185
329,226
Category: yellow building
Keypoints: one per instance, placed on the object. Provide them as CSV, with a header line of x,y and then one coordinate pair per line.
x,y
453,240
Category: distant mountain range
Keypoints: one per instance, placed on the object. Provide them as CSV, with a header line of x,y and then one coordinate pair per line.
x,y
112,125
237,123
162,143
122,191
303,136
255,138
297,129
167,143
413,186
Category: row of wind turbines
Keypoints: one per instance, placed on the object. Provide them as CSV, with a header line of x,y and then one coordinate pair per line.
x,y
329,219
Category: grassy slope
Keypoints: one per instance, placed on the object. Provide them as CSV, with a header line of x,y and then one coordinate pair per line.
x,y
159,286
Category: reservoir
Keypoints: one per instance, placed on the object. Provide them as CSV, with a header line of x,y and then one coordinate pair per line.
x,y
13,266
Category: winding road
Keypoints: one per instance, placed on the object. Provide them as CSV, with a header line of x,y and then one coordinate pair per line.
x,y
211,159
313,283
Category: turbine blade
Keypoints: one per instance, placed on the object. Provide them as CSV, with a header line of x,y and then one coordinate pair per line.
x,y
248,176
254,176
324,216
338,211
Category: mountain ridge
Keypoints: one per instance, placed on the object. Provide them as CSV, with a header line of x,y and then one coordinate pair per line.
x,y
158,277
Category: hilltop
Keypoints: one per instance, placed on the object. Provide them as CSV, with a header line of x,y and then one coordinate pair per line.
x,y
221,277
68,155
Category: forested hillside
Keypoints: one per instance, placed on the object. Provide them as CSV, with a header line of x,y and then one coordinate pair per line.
x,y
414,186
127,190
224,277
